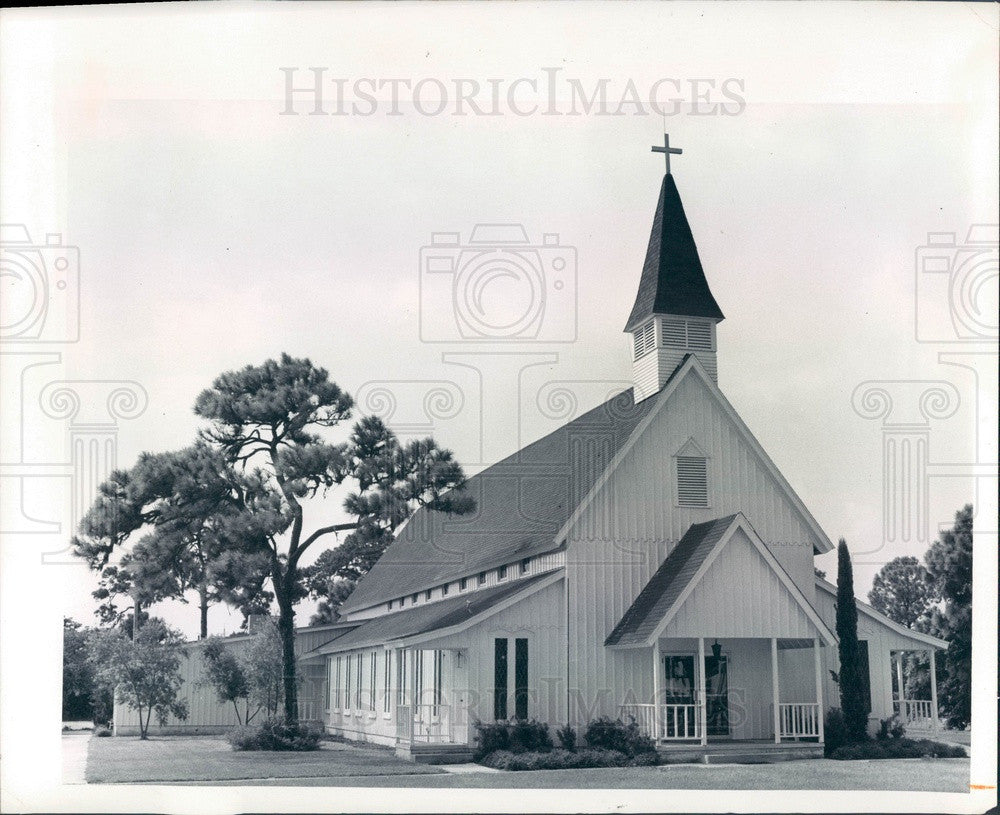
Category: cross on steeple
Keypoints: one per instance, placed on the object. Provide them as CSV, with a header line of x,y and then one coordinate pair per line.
x,y
667,150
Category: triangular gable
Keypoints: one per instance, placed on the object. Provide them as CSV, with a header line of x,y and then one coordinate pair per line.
x,y
691,366
727,583
868,611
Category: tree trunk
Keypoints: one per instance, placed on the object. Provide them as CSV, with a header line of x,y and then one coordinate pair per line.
x,y
203,598
286,629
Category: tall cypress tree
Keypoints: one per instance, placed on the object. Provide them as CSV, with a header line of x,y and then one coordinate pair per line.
x,y
852,700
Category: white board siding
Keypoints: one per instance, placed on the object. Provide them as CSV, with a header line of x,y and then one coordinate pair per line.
x,y
206,714
740,596
633,523
540,618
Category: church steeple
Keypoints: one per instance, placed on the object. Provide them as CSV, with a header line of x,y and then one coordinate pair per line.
x,y
674,312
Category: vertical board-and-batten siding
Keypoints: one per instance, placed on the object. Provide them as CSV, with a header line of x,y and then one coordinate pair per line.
x,y
740,596
637,505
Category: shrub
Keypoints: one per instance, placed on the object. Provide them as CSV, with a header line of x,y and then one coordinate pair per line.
x,y
529,736
491,737
897,748
890,728
558,759
567,737
275,734
102,732
605,734
517,736
834,731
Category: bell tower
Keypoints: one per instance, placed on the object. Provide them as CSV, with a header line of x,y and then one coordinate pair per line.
x,y
674,313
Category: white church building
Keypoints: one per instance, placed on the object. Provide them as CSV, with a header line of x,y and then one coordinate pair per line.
x,y
647,560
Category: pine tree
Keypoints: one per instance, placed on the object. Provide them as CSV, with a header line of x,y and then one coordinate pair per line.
x,y
852,686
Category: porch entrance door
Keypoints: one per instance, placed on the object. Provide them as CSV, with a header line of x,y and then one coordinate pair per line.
x,y
717,698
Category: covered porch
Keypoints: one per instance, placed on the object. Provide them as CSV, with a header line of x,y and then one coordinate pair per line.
x,y
724,647
916,714
732,690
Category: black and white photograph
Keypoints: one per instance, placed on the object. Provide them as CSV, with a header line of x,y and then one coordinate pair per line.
x,y
499,407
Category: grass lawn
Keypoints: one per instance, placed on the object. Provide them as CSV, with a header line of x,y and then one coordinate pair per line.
x,y
127,759
192,760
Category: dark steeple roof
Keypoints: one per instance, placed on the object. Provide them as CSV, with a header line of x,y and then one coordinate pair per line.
x,y
673,281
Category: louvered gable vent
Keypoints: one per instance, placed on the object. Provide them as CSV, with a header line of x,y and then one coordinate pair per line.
x,y
691,466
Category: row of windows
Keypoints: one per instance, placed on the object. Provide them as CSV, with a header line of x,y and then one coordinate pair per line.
x,y
463,585
676,333
354,680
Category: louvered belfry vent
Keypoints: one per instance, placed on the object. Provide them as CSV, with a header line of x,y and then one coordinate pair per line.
x,y
692,481
645,339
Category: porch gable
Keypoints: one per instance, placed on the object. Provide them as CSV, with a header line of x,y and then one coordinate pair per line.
x,y
719,579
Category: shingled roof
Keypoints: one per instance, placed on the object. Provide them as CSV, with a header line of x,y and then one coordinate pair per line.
x,y
430,617
521,503
666,585
673,281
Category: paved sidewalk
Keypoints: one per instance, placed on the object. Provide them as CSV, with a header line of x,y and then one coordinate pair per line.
x,y
74,757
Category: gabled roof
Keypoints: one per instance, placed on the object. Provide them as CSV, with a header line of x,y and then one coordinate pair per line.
x,y
691,366
437,616
667,583
866,609
680,572
673,281
521,503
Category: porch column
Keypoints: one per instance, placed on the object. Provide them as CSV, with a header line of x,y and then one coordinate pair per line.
x,y
775,696
899,683
934,710
656,689
819,687
703,684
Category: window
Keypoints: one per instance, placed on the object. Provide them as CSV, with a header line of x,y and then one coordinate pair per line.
x,y
692,481
402,602
502,573
463,583
644,340
427,594
372,673
699,336
521,678
418,677
390,605
500,678
401,677
414,598
357,687
482,578
525,564
438,679
387,683
347,683
335,683
444,590
674,333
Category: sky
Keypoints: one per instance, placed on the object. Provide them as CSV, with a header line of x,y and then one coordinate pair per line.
x,y
218,224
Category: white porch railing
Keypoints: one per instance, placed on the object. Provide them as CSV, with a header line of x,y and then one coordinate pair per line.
x,y
915,713
424,723
677,722
798,719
